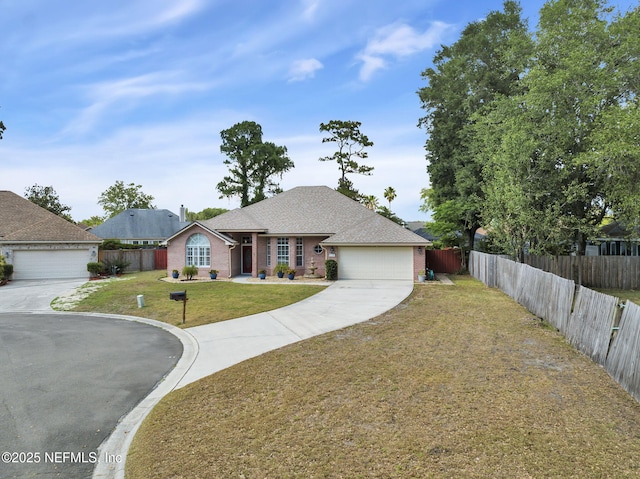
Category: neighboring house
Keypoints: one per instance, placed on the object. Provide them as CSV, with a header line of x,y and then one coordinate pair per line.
x,y
40,244
141,226
420,228
301,225
614,240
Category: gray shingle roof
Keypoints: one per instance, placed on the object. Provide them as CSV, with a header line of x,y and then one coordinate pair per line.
x,y
24,221
315,210
140,224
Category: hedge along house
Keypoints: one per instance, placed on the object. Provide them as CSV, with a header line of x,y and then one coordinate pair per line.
x,y
42,245
300,226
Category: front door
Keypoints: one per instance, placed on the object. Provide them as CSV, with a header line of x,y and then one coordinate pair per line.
x,y
246,259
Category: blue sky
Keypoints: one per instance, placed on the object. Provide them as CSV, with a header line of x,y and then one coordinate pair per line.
x,y
139,90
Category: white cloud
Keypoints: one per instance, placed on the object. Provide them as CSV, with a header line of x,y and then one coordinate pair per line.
x,y
304,69
397,40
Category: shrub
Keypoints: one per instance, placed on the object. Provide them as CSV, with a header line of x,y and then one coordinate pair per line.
x,y
95,268
190,271
116,266
331,269
281,268
7,271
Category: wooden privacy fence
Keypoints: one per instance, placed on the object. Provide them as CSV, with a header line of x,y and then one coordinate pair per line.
x,y
138,259
609,272
593,325
444,260
623,361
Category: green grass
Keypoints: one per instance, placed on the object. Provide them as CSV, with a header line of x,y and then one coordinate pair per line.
x,y
622,294
209,301
457,381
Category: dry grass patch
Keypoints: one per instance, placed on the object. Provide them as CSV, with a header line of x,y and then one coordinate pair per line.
x,y
454,382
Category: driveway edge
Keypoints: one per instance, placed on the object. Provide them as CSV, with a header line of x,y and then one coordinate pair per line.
x,y
118,442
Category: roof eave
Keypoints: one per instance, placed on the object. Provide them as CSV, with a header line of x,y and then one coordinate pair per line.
x,y
352,243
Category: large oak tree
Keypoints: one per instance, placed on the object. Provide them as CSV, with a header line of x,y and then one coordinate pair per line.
x,y
487,61
253,164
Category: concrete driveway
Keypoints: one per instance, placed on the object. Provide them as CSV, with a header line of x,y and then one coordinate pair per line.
x,y
34,295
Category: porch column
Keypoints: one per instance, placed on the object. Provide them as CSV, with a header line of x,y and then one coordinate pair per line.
x,y
254,255
292,252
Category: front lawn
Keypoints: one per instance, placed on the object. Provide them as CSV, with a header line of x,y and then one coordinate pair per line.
x,y
457,381
209,301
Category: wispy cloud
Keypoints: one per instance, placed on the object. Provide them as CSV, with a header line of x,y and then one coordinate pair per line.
x,y
397,40
310,7
126,93
304,69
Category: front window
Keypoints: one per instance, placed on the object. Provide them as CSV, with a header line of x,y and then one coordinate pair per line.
x,y
299,252
268,251
283,250
198,251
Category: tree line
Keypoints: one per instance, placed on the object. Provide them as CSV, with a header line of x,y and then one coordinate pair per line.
x,y
535,135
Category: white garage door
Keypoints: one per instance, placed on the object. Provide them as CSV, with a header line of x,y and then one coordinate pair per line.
x,y
375,262
50,264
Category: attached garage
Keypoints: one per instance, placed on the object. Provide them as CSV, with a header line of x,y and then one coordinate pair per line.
x,y
372,262
50,264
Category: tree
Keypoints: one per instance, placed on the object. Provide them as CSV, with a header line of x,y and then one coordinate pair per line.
x,y
351,144
47,198
205,214
370,201
117,198
93,221
487,61
2,129
252,163
569,137
390,195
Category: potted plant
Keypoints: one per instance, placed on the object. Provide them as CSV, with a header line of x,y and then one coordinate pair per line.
x,y
213,274
421,276
262,274
281,269
291,274
175,273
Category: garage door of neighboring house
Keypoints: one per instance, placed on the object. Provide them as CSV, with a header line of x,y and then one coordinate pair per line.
x,y
375,262
50,264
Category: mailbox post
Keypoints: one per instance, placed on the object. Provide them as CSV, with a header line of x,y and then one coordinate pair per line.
x,y
180,296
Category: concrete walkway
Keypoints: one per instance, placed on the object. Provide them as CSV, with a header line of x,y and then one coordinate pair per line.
x,y
342,304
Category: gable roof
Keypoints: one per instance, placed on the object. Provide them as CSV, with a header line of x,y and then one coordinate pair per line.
x,y
226,239
140,224
24,221
319,211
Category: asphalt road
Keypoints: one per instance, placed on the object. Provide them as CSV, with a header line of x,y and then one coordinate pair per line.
x,y
65,381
